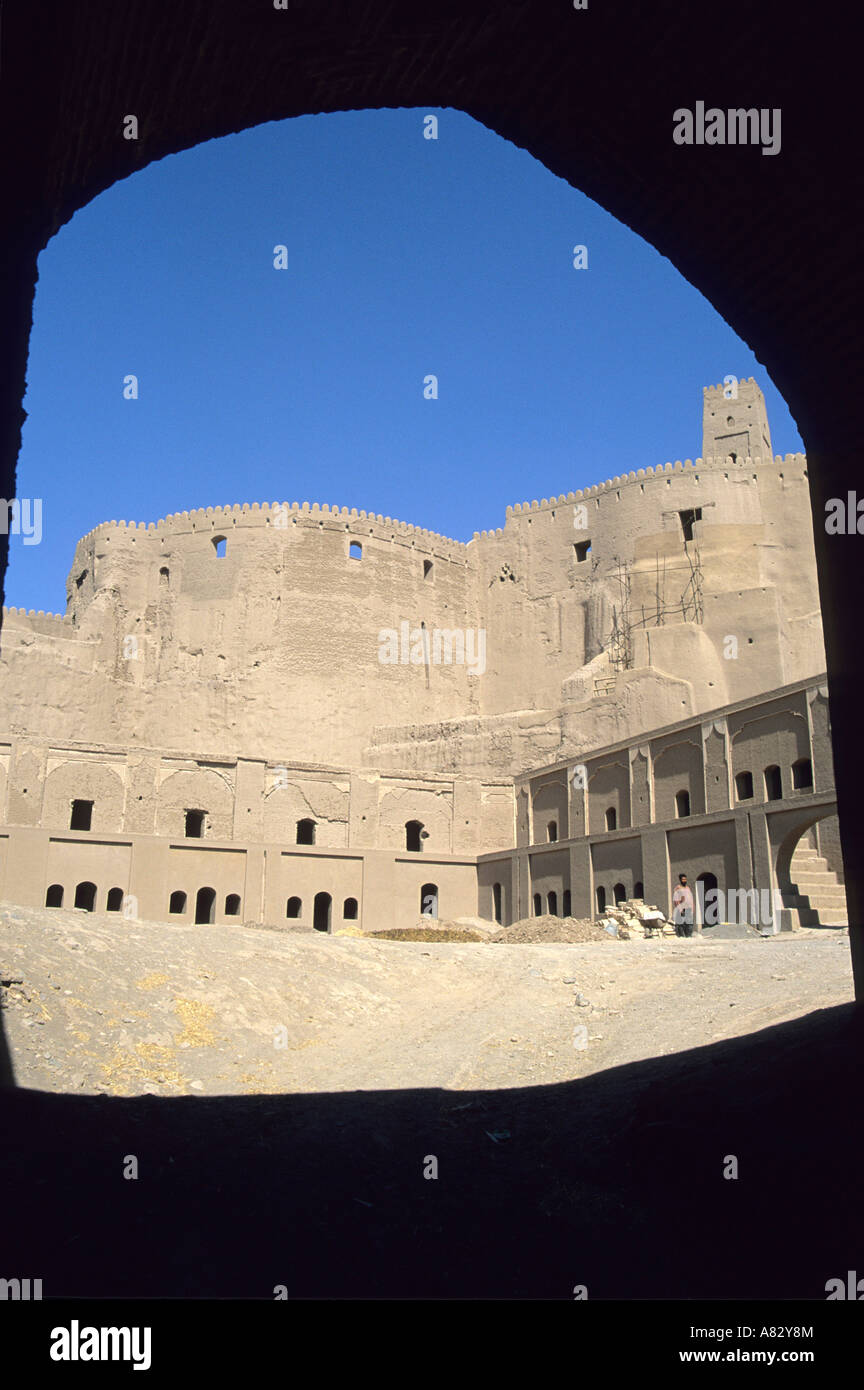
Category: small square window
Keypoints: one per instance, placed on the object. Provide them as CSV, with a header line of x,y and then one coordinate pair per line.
x,y
582,550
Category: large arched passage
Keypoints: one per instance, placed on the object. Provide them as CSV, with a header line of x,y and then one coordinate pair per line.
x,y
614,143
810,893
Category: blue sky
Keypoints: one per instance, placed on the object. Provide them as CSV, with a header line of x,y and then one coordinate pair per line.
x,y
406,257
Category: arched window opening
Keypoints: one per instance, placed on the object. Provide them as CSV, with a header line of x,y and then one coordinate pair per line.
x,y
601,898
744,785
195,825
496,901
802,775
85,896
427,569
538,905
82,815
232,905
294,907
639,889
682,804
177,902
349,909
566,909
552,831
54,896
552,903
306,832
321,912
355,551
773,783
115,900
163,575
205,906
611,818
220,545
619,893
429,900
414,835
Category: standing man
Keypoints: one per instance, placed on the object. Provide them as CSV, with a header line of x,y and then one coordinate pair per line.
x,y
682,908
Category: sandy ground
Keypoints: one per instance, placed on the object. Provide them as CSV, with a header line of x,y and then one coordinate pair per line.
x,y
93,1004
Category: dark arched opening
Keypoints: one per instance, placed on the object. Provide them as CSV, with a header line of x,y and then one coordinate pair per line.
x,y
349,909
115,900
177,902
707,900
802,775
205,905
293,907
85,896
306,832
54,896
321,912
552,903
601,897
429,900
619,893
773,783
413,835
232,905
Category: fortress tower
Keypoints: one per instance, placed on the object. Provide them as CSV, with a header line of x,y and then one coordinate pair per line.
x,y
735,421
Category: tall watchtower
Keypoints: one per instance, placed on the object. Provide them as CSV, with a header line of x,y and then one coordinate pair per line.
x,y
735,423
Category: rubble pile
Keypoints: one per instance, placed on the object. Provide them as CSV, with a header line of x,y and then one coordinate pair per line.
x,y
635,919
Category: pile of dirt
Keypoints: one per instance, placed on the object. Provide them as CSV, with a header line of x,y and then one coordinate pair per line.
x,y
443,933
440,929
536,930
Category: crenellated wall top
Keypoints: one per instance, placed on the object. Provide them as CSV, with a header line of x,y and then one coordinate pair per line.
x,y
278,514
688,468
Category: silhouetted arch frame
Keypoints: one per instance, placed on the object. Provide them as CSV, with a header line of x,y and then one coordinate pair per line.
x,y
541,80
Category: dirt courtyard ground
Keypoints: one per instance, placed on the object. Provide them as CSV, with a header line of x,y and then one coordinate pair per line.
x,y
96,1004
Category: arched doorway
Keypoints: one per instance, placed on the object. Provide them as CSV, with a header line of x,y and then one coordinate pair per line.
x,y
205,905
321,912
85,896
707,900
429,900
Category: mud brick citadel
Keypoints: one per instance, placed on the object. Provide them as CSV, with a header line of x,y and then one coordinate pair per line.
x,y
212,734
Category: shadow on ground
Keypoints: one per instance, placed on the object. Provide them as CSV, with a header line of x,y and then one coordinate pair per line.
x,y
615,1182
